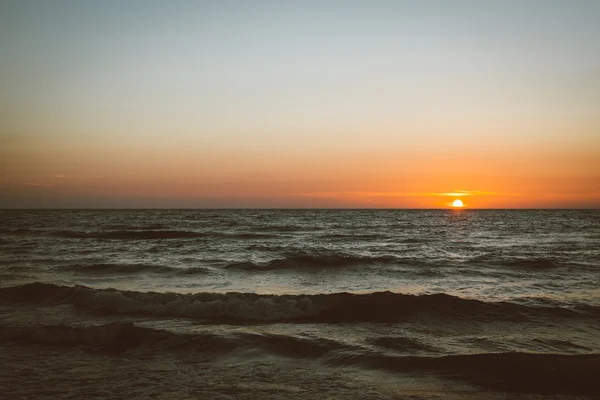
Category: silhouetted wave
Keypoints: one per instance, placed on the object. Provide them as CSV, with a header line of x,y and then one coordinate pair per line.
x,y
247,307
508,371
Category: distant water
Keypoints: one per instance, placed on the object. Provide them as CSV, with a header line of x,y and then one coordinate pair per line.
x,y
498,300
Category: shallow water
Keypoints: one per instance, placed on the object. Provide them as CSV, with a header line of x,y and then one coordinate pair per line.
x,y
396,303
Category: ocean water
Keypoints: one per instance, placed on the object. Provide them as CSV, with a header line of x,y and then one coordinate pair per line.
x,y
300,304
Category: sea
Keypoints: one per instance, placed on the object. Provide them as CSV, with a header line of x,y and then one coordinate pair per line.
x,y
300,304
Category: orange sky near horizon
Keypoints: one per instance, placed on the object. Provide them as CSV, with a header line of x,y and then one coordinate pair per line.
x,y
191,178
252,104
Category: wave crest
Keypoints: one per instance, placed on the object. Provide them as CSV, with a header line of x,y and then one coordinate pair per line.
x,y
248,307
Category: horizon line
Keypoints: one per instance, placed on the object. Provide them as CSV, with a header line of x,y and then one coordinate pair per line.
x,y
291,208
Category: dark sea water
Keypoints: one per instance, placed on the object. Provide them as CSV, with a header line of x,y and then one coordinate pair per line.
x,y
307,304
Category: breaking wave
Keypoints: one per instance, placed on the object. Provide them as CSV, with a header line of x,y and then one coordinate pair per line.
x,y
248,307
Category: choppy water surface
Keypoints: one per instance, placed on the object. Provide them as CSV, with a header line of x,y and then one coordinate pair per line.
x,y
501,300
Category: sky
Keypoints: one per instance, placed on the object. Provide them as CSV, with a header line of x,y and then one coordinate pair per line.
x,y
341,104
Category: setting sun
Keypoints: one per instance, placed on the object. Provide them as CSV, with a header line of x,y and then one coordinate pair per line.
x,y
457,203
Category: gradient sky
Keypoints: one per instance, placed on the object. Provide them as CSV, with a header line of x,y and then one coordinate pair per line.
x,y
300,104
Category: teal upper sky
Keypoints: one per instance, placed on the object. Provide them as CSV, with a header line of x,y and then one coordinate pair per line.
x,y
266,66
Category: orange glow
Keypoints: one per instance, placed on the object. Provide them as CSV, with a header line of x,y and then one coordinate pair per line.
x,y
186,174
457,203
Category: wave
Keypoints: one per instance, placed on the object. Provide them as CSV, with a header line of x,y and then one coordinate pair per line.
x,y
132,269
304,260
250,307
121,336
510,371
563,345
